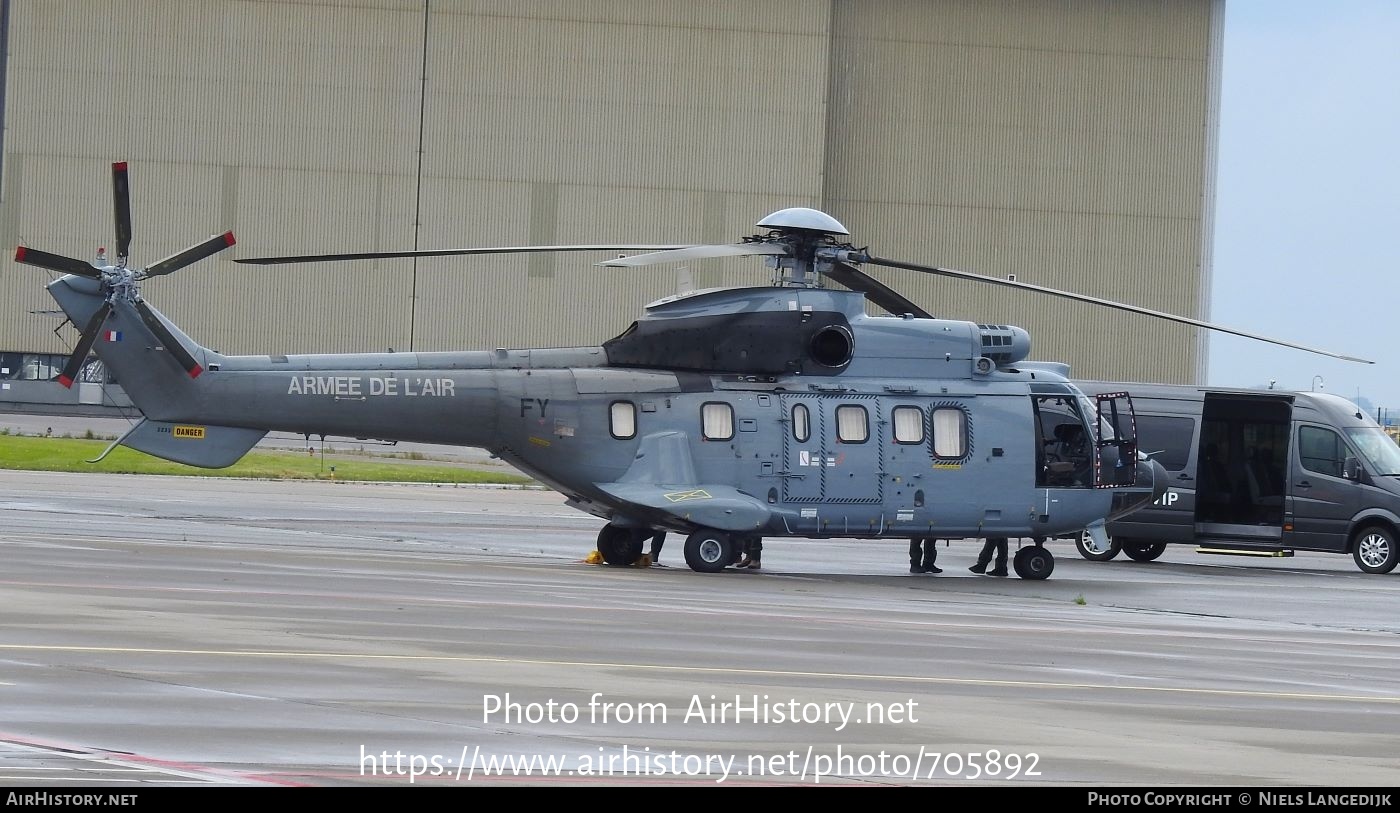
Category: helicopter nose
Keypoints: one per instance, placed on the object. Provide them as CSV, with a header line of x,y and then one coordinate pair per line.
x,y
1150,471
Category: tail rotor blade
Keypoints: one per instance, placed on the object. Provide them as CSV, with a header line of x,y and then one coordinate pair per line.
x,y
168,340
55,262
121,205
84,346
193,254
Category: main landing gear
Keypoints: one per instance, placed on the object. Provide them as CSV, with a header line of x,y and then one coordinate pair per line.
x,y
621,546
709,551
1033,562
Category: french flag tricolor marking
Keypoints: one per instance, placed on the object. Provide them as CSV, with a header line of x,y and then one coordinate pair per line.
x,y
112,335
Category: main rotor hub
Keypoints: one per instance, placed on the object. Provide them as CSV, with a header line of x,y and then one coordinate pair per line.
x,y
800,218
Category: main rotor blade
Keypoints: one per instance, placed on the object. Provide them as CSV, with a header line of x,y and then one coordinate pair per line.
x,y
168,340
1108,303
121,206
677,255
84,346
876,291
193,254
55,262
446,252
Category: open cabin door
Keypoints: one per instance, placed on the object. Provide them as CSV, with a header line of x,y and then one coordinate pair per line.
x,y
1115,465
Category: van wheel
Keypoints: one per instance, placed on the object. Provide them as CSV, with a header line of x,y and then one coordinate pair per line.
x,y
619,546
1034,563
1090,550
1143,551
709,551
1375,550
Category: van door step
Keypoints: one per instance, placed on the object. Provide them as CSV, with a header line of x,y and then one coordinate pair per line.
x,y
1244,552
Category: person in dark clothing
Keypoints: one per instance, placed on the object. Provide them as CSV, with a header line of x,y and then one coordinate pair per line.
x,y
657,540
923,552
753,554
997,545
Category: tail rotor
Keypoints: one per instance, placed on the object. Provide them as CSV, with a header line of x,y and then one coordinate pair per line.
x,y
119,282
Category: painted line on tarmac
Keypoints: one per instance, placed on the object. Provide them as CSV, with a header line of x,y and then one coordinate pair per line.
x,y
720,670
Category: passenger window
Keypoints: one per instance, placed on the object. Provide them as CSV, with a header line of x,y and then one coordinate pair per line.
x,y
622,420
949,433
801,423
1321,450
717,421
852,425
908,424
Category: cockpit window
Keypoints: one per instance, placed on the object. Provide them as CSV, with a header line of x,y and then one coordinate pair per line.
x,y
1380,451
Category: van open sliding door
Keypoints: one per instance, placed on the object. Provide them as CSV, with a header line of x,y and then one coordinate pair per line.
x,y
1242,468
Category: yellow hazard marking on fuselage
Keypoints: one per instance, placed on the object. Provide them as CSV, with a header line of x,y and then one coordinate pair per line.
x,y
686,496
188,432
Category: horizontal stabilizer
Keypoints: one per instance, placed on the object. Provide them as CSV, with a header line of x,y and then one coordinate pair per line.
x,y
722,507
194,444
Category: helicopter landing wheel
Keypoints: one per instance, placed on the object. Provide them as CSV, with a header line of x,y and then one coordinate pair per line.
x,y
620,547
709,551
1089,549
1034,563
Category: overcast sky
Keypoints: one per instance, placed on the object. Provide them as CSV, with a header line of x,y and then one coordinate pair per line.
x,y
1307,227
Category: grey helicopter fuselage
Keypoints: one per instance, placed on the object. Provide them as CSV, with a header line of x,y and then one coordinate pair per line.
x,y
756,412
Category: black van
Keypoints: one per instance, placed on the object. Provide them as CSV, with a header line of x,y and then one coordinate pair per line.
x,y
1260,471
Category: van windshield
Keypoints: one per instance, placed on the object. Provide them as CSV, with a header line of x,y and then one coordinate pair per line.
x,y
1378,449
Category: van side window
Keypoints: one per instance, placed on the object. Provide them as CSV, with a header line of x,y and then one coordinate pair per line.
x,y
1321,450
717,421
1166,439
949,433
622,419
908,424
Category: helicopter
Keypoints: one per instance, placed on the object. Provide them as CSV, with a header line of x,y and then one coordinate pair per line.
x,y
727,415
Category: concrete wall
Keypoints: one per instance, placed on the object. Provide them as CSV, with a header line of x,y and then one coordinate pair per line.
x,y
1065,141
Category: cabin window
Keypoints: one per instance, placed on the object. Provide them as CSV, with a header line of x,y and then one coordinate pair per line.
x,y
908,424
1321,450
852,424
622,419
801,423
949,433
717,421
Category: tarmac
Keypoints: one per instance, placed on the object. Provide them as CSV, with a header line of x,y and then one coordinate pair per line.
x,y
165,630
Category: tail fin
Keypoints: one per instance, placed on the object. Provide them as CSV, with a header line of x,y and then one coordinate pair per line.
x,y
158,366
158,372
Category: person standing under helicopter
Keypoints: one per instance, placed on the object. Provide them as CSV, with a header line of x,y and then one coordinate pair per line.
x,y
997,545
753,553
923,552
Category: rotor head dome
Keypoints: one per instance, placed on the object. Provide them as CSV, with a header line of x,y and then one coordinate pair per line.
x,y
800,218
